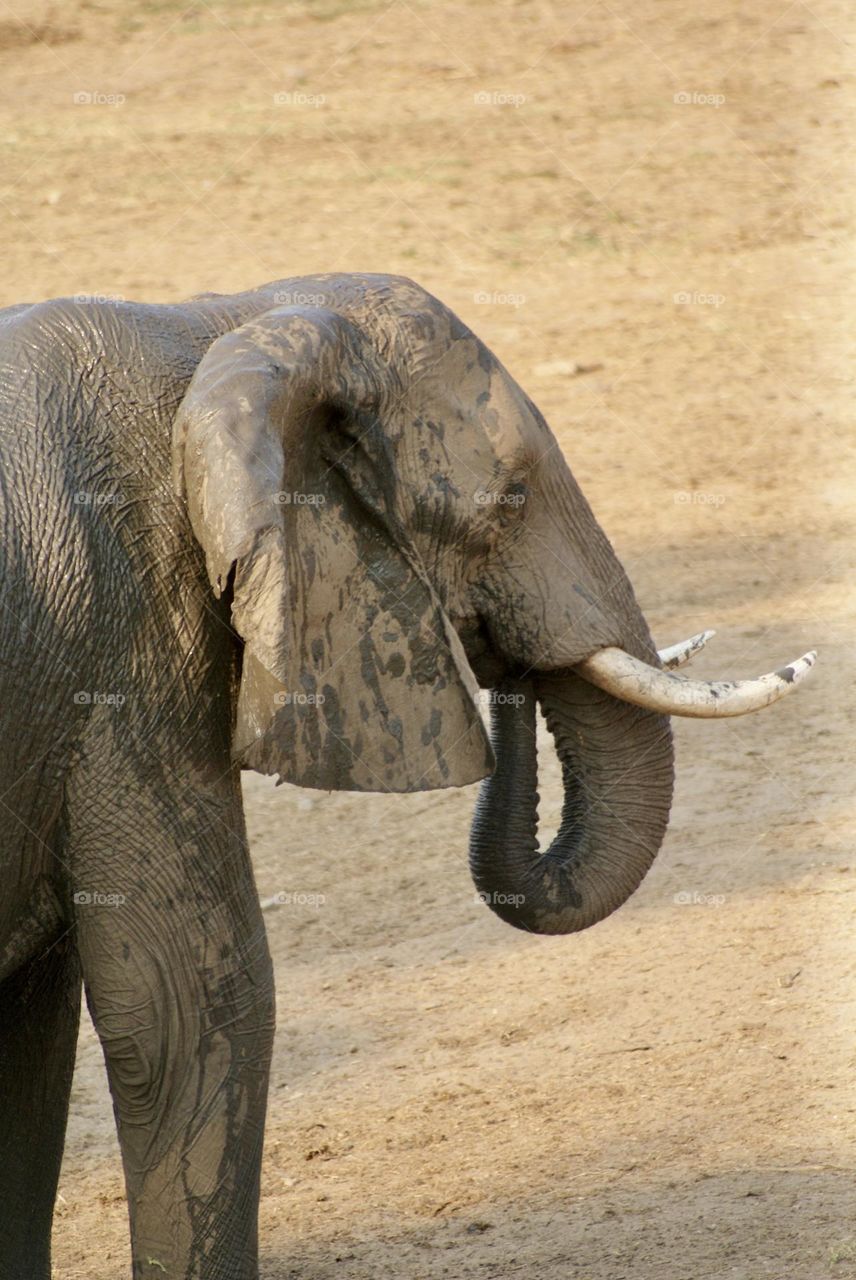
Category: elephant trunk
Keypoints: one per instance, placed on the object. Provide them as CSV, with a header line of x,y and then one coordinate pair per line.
x,y
617,770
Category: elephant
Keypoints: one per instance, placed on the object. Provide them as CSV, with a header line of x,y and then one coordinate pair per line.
x,y
298,530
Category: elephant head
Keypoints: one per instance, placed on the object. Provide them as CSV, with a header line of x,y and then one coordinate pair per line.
x,y
396,525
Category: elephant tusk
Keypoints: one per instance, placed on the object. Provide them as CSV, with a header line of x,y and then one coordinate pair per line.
x,y
633,681
677,654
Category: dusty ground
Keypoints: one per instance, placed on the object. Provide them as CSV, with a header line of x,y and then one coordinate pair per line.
x,y
671,1095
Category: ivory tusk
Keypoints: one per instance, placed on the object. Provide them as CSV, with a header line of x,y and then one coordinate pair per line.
x,y
634,681
677,654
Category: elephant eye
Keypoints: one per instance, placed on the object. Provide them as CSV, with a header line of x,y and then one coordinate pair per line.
x,y
355,426
340,427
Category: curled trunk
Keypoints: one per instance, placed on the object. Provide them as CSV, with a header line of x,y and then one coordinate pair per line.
x,y
617,769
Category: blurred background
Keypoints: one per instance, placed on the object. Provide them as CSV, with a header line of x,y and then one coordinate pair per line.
x,y
646,211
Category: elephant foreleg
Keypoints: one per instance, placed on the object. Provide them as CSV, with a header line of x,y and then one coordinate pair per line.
x,y
179,984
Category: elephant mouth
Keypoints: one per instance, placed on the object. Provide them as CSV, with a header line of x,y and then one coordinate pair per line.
x,y
488,664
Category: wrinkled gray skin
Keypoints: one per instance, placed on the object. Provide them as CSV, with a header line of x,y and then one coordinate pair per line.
x,y
166,553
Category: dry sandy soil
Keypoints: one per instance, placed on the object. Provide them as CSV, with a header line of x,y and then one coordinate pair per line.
x,y
644,209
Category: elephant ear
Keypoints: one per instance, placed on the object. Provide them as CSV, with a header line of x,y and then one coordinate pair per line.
x,y
352,676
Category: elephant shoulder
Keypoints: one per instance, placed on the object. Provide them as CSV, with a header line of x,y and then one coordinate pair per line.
x,y
61,335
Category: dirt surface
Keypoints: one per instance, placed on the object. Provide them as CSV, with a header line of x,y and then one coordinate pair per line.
x,y
645,214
